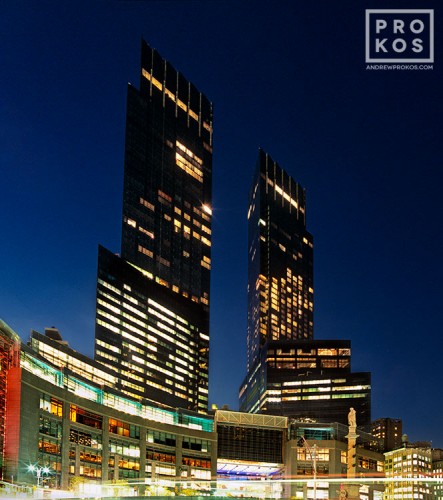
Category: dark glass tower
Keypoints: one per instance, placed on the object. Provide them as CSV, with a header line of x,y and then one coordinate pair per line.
x,y
280,272
153,303
168,179
289,373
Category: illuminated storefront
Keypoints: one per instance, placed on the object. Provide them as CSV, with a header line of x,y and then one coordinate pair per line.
x,y
250,446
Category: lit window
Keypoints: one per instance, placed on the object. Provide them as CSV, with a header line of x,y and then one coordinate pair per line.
x,y
145,251
130,222
188,167
147,204
207,209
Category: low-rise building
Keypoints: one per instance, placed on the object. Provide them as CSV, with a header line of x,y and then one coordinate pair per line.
x,y
320,452
410,468
437,473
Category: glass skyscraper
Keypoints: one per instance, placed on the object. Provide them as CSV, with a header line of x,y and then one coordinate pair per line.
x,y
288,372
280,272
152,320
168,180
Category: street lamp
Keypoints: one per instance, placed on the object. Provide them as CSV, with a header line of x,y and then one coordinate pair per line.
x,y
313,454
39,472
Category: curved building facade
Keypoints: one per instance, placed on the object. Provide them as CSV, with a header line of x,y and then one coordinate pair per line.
x,y
91,432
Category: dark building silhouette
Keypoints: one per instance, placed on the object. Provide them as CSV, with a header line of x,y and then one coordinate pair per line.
x,y
390,431
152,320
288,372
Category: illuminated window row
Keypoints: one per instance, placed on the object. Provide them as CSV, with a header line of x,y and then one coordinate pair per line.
x,y
133,348
161,316
185,355
347,396
146,204
110,317
189,152
130,222
109,286
132,376
112,308
163,371
184,330
60,358
139,341
285,195
275,397
182,370
175,333
145,251
167,311
174,98
179,360
134,329
169,339
351,388
162,195
135,310
145,231
109,297
166,328
130,298
321,454
110,347
111,400
307,382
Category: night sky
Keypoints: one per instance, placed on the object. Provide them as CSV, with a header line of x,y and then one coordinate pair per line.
x,y
287,76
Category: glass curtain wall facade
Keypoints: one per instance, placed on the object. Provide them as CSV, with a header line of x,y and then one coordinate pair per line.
x,y
280,271
168,179
152,321
288,372
308,379
157,349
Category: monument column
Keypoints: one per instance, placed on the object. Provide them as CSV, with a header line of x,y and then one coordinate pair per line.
x,y
352,488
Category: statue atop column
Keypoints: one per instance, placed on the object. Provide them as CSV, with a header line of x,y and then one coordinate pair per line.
x,y
352,419
352,489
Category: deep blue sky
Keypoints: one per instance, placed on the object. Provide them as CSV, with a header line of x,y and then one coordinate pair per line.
x,y
288,76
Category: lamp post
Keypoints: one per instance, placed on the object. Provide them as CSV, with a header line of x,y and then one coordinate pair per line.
x,y
313,454
39,472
